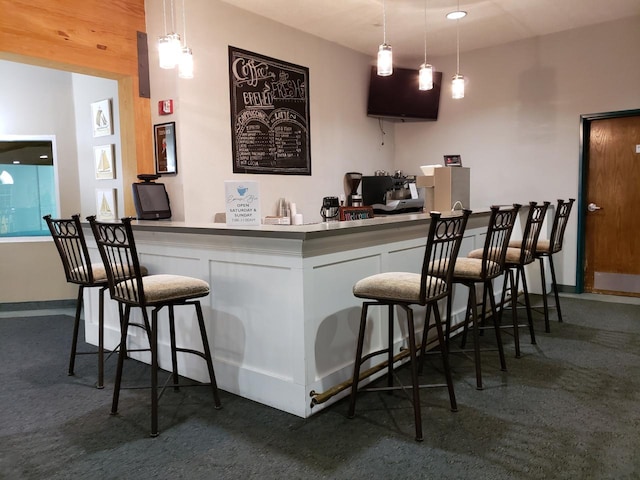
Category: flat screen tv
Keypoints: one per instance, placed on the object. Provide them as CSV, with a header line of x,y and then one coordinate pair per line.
x,y
151,201
397,96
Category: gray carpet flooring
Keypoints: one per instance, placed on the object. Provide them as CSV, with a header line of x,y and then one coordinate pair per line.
x,y
568,409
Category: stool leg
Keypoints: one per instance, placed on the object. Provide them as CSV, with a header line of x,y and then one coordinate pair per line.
x,y
514,310
174,354
476,336
425,334
503,363
124,327
545,302
414,374
555,287
154,372
527,303
101,338
445,358
356,365
390,352
76,327
207,355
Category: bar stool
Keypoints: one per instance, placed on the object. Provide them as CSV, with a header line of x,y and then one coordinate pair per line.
x,y
405,290
71,245
516,259
481,266
546,249
130,289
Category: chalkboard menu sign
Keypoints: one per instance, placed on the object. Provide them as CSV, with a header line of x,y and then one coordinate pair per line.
x,y
269,115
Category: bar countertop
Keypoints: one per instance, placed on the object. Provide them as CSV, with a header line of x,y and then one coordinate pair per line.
x,y
296,232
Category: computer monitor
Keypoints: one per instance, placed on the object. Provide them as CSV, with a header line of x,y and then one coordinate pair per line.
x,y
151,201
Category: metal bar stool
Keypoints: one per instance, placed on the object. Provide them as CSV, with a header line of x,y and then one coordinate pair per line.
x,y
546,249
405,290
71,245
516,259
131,289
481,266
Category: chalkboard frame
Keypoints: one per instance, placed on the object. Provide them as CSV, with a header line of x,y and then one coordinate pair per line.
x,y
269,100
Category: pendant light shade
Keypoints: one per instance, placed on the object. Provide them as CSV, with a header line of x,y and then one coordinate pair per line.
x,y
385,60
385,56
425,77
457,83
425,74
457,86
169,45
185,67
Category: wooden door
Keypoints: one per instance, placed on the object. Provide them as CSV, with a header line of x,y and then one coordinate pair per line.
x,y
612,224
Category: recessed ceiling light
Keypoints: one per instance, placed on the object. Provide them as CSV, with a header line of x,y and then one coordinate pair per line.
x,y
456,15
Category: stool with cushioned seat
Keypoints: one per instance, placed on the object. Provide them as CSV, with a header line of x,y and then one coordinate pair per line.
x,y
546,249
404,290
71,245
119,254
481,266
516,259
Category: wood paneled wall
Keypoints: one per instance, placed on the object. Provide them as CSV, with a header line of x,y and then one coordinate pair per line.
x,y
94,37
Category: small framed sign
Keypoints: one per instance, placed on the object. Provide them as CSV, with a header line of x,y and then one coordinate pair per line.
x,y
355,213
242,202
165,143
452,161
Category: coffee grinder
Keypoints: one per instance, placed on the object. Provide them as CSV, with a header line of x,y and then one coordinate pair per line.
x,y
353,182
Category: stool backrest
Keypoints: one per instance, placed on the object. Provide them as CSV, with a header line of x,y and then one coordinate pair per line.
x,y
501,224
531,232
443,244
120,257
563,209
71,245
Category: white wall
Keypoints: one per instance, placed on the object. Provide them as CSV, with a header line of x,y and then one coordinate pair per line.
x,y
86,90
342,137
518,126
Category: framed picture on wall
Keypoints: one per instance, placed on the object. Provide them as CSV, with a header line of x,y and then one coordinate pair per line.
x,y
165,146
103,160
106,204
101,118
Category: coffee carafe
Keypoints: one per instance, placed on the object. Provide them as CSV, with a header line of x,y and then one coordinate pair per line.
x,y
330,209
353,181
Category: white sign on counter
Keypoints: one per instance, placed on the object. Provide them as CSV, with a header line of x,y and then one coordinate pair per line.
x,y
242,201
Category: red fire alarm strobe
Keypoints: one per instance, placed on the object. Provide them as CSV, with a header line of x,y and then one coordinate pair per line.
x,y
165,107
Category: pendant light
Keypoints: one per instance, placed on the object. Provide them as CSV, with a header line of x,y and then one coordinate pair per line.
x,y
457,84
169,46
185,65
425,74
385,56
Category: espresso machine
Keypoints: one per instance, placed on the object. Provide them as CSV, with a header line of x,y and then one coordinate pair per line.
x,y
389,194
352,180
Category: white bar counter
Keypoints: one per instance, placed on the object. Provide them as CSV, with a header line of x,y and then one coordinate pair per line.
x,y
281,317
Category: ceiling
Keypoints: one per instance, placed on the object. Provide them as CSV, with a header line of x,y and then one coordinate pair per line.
x,y
357,24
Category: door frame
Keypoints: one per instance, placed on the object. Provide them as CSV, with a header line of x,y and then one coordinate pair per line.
x,y
585,133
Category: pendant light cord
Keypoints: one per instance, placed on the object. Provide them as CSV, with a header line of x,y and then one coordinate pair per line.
x,y
457,48
184,25
384,23
458,43
173,22
164,15
425,32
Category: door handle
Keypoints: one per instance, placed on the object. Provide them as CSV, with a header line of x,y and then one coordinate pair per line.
x,y
592,207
